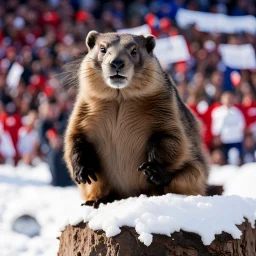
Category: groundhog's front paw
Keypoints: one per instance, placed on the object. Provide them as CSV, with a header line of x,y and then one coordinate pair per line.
x,y
84,175
155,174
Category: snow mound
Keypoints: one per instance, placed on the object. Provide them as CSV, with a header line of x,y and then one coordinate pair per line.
x,y
220,175
243,183
25,191
166,214
24,175
47,205
235,180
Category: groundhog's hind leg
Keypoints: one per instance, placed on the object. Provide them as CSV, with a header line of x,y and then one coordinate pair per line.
x,y
189,180
95,193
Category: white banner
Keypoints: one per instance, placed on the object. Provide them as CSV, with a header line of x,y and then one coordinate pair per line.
x,y
211,22
171,49
14,74
238,56
141,30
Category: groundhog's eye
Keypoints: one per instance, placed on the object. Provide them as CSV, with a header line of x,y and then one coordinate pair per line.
x,y
134,51
103,49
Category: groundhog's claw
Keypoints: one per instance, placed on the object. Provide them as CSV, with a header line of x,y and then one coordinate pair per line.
x,y
155,174
88,203
84,175
96,203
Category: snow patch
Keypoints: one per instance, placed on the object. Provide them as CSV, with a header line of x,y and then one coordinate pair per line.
x,y
243,183
235,180
146,238
25,190
206,216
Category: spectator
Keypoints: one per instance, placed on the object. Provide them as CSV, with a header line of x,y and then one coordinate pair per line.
x,y
7,150
60,175
249,153
28,139
249,106
228,125
218,157
49,112
11,122
50,129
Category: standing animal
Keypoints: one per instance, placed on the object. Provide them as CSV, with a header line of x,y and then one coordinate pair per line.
x,y
129,132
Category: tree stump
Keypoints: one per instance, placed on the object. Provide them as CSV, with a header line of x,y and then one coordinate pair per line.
x,y
80,240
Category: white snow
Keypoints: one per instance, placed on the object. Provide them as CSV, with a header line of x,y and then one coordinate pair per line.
x,y
166,214
26,190
146,238
235,180
220,175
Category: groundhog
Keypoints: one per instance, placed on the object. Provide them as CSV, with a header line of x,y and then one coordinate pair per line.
x,y
129,132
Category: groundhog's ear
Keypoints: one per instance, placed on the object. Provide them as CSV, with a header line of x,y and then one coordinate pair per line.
x,y
91,39
151,43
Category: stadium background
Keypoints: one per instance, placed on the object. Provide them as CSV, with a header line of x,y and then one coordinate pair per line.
x,y
40,37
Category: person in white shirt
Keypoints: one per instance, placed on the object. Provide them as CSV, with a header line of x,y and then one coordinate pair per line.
x,y
228,124
7,150
28,138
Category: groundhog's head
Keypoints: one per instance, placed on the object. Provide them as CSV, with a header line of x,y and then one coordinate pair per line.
x,y
118,61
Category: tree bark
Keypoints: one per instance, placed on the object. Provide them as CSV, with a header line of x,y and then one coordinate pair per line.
x,y
82,241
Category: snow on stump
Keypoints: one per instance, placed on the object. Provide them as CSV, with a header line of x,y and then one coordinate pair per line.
x,y
164,225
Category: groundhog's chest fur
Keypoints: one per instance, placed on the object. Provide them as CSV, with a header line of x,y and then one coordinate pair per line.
x,y
119,132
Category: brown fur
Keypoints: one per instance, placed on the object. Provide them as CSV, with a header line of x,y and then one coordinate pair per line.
x,y
119,123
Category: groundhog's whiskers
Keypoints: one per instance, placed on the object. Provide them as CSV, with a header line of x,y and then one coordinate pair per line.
x,y
69,79
71,84
90,75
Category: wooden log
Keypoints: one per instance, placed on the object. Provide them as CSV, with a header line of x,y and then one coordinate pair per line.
x,y
80,240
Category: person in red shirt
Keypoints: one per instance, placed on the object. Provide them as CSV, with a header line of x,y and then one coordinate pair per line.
x,y
249,108
11,122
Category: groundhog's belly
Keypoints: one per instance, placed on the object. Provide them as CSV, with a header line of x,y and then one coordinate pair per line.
x,y
120,164
121,147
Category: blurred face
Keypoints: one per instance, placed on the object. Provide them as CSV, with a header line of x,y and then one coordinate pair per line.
x,y
217,157
2,81
227,99
249,143
50,111
217,79
32,117
247,99
199,79
1,108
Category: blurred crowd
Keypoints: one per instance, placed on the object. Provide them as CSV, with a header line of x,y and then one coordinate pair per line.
x,y
42,36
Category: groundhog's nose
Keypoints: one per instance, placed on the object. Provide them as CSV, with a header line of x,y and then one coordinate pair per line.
x,y
117,64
